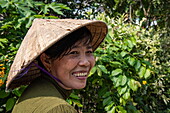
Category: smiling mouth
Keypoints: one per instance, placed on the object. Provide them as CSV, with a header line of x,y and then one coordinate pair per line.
x,y
80,74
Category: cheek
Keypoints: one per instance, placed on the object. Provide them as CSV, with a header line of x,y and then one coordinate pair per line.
x,y
92,60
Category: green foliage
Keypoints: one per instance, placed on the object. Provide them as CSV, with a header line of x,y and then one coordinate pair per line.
x,y
128,76
15,18
153,10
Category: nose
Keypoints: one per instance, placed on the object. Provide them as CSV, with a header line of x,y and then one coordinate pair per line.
x,y
84,61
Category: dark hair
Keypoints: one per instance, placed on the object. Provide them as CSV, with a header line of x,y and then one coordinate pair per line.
x,y
63,46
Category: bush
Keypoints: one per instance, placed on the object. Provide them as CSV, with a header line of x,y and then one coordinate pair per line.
x,y
131,73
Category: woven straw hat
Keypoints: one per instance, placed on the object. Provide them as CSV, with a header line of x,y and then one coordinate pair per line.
x,y
43,34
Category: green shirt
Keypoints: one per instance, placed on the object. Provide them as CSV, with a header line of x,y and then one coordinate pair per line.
x,y
44,95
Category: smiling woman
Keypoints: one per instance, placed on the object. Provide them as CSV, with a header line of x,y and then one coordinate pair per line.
x,y
55,57
74,61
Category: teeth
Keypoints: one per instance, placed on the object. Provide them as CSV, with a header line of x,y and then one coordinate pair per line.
x,y
80,74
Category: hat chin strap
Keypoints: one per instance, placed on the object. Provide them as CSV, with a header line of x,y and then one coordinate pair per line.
x,y
25,71
45,71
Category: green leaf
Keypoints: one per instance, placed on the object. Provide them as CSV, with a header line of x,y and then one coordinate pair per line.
x,y
137,65
117,83
45,10
147,73
122,101
123,53
147,63
56,9
99,72
107,101
116,72
132,84
62,6
30,3
3,40
124,80
10,103
106,94
126,95
74,96
103,68
3,94
102,91
77,102
121,109
115,64
69,101
130,44
112,110
3,3
131,61
95,80
2,45
121,90
142,72
108,107
38,16
93,70
114,79
29,22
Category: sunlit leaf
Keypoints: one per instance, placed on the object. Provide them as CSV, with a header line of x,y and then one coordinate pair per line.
x,y
124,80
142,72
109,106
122,90
3,40
123,53
147,74
130,44
132,84
93,70
116,72
74,96
131,61
99,72
115,64
126,95
103,68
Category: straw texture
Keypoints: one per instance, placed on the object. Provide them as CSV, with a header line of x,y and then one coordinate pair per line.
x,y
43,34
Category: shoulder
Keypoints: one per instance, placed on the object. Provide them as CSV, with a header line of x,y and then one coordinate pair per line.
x,y
40,88
44,105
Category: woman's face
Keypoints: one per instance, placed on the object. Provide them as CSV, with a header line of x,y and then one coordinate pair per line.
x,y
73,68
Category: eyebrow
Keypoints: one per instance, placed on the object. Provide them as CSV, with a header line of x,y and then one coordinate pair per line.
x,y
87,46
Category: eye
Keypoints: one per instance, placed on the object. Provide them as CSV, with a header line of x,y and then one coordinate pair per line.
x,y
89,51
73,52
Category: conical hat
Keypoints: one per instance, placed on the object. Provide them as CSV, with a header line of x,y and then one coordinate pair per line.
x,y
43,34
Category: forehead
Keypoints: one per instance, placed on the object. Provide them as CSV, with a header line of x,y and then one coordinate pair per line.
x,y
84,42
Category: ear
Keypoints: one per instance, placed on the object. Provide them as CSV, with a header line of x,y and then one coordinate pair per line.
x,y
45,61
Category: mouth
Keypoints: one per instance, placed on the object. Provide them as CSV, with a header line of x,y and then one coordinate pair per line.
x,y
80,74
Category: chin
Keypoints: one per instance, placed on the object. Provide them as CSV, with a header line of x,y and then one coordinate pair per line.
x,y
80,86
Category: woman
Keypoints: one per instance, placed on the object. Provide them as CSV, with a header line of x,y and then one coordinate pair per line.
x,y
55,57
